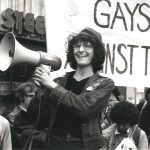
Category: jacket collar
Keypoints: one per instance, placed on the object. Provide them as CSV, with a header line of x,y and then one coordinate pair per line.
x,y
91,79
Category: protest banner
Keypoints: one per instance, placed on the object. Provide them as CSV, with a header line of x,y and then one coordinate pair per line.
x,y
125,29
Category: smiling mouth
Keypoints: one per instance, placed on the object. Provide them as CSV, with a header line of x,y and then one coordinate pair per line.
x,y
82,56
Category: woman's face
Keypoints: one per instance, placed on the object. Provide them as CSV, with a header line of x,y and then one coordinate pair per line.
x,y
83,53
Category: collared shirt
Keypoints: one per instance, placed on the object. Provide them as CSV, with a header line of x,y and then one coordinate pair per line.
x,y
5,134
111,134
11,117
118,137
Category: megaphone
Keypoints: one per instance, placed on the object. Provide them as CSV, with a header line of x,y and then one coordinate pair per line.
x,y
12,52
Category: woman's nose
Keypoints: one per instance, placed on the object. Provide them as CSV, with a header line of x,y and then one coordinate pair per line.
x,y
81,48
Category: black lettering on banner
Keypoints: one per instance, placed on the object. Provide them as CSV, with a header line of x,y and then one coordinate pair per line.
x,y
131,56
123,57
129,18
120,13
128,65
146,58
131,14
146,17
116,16
111,59
103,14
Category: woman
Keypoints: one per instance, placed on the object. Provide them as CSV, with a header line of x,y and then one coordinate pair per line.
x,y
78,97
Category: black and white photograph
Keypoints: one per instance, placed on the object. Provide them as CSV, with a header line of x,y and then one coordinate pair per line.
x,y
74,75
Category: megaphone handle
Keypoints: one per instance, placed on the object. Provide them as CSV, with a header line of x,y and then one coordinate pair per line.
x,y
48,69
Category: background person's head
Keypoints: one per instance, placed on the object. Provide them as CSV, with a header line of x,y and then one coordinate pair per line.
x,y
125,115
25,92
118,94
94,38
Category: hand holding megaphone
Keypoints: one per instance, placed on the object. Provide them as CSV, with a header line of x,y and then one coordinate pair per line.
x,y
47,69
42,76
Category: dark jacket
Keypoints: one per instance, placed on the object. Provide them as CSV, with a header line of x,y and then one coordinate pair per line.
x,y
92,100
144,120
144,109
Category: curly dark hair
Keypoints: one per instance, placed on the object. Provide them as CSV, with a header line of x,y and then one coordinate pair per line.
x,y
99,50
124,112
147,91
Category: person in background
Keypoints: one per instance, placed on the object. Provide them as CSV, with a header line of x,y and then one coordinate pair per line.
x,y
16,102
106,121
79,96
144,117
22,96
5,134
7,104
117,94
115,97
34,122
125,118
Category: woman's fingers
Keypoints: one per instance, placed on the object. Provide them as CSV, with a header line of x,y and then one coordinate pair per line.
x,y
46,69
43,70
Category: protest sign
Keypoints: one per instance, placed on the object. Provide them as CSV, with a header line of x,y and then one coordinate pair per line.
x,y
125,29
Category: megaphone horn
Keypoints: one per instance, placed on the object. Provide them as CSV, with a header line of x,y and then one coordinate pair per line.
x,y
12,52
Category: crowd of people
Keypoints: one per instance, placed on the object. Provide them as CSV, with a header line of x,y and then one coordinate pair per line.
x,y
69,112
